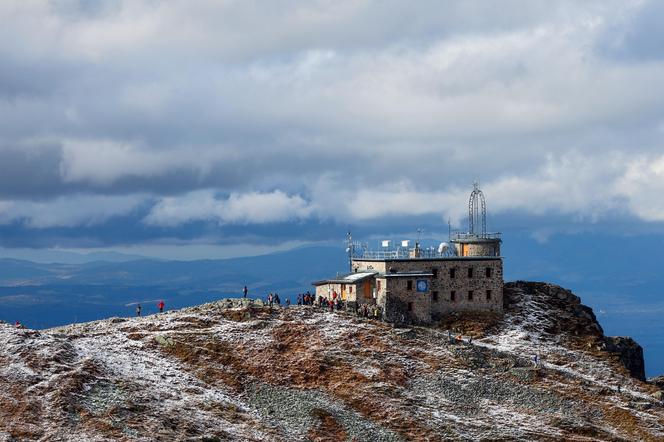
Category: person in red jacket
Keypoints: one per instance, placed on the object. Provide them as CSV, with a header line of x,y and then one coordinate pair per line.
x,y
161,306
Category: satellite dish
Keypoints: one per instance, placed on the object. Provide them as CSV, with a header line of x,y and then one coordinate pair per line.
x,y
443,247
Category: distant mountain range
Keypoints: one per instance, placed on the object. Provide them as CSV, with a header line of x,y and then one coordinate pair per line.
x,y
45,295
292,269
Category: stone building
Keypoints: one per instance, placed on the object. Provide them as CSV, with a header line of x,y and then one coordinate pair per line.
x,y
418,285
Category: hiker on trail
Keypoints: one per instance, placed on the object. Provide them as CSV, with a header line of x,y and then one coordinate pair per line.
x,y
18,325
535,361
331,305
270,299
245,290
287,302
470,339
161,306
277,300
365,311
138,310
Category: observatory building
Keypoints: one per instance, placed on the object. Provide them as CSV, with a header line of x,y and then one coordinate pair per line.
x,y
420,285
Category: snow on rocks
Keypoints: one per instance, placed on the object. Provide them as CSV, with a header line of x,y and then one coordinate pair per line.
x,y
238,370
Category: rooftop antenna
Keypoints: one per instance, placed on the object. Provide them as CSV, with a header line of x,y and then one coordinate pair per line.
x,y
477,211
349,249
419,235
449,228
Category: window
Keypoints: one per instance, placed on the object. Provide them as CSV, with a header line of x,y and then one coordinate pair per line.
x,y
452,273
377,284
410,306
350,289
488,295
434,272
470,272
470,295
453,295
409,285
434,296
488,272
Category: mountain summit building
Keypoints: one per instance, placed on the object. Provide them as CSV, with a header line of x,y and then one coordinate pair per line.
x,y
420,285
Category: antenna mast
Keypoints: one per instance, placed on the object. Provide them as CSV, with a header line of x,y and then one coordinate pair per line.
x,y
349,249
477,212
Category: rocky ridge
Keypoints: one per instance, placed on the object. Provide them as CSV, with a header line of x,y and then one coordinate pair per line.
x,y
237,370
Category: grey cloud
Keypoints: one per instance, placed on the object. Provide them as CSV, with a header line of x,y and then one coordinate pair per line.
x,y
321,100
638,37
31,172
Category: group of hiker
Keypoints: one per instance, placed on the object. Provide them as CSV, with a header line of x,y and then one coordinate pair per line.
x,y
273,298
306,298
160,306
331,303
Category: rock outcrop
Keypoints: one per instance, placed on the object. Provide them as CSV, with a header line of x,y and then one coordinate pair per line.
x,y
238,370
563,315
630,353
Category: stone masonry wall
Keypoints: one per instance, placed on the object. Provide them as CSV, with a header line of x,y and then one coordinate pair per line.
x,y
443,285
478,249
394,299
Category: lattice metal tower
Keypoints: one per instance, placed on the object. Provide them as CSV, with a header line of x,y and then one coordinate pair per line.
x,y
477,212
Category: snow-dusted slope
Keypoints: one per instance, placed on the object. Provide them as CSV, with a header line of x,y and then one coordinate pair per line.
x,y
218,373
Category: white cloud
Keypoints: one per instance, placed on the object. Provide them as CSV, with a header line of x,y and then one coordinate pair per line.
x,y
70,211
248,208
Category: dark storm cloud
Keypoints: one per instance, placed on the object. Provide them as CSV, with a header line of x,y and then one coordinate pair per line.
x,y
31,172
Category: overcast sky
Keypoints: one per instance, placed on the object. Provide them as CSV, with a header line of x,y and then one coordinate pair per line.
x,y
146,124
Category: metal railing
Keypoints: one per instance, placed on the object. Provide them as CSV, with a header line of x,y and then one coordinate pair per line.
x,y
404,253
461,236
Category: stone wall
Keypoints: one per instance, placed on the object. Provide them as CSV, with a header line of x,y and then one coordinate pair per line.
x,y
443,284
479,248
401,305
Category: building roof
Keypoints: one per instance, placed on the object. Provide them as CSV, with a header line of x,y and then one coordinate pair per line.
x,y
351,278
455,258
406,275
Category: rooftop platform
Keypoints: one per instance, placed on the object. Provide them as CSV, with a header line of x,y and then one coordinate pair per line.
x,y
475,237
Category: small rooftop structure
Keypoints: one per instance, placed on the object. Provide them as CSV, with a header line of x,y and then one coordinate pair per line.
x,y
351,278
477,241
